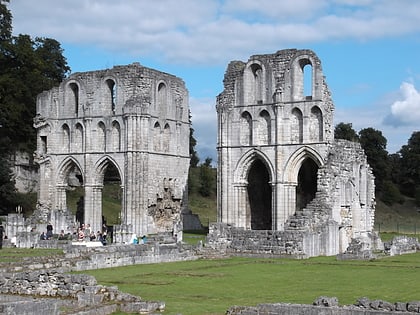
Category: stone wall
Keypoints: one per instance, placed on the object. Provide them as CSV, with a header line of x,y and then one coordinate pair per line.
x,y
329,306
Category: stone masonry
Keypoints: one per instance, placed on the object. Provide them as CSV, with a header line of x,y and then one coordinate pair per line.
x,y
280,170
131,118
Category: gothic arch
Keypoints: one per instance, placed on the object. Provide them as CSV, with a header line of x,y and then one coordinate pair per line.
x,y
264,127
73,97
116,136
65,138
67,165
298,66
246,128
296,126
110,96
78,138
166,137
101,167
295,161
245,162
156,136
316,125
254,83
101,137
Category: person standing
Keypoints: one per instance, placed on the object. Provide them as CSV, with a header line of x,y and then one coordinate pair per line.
x,y
49,230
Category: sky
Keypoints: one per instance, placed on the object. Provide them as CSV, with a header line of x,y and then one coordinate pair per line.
x,y
369,49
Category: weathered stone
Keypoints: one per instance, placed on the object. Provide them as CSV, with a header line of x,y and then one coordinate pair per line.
x,y
280,168
326,301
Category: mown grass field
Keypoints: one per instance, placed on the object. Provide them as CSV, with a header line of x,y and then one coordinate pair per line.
x,y
212,286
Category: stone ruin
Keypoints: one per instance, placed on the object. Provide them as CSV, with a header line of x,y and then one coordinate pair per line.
x,y
285,185
131,121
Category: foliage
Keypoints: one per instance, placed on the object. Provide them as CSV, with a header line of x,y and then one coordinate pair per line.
x,y
374,145
27,67
207,179
212,286
390,193
194,159
346,132
410,164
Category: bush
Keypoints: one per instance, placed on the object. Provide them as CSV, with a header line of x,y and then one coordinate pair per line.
x,y
390,193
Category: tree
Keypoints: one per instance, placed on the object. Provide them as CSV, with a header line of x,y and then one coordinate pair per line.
x,y
207,178
410,165
346,132
194,159
27,67
374,145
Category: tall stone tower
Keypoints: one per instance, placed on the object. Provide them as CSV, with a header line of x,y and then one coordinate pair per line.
x,y
279,167
132,119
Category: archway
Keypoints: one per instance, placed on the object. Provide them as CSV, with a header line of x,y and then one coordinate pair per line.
x,y
111,196
259,196
307,183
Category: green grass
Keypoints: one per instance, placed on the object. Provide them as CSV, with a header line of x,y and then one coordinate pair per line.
x,y
204,207
212,286
16,254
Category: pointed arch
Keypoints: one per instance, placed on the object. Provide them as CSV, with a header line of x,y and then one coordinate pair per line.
x,y
101,137
295,161
254,83
116,136
316,125
162,95
73,97
243,165
296,126
111,94
67,166
78,139
156,136
246,128
166,137
65,138
102,164
264,127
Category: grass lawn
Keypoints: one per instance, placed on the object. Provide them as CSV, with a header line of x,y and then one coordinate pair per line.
x,y
212,286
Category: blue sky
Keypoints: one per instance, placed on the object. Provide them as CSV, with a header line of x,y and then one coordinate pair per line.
x,y
369,49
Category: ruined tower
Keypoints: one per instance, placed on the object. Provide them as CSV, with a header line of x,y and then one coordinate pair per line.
x,y
132,119
279,167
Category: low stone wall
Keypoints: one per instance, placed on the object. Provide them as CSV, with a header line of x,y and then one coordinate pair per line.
x,y
329,306
75,292
400,245
294,243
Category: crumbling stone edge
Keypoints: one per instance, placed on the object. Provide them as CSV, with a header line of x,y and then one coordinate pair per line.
x,y
329,306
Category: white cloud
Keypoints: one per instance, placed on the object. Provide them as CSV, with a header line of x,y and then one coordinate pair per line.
x,y
209,31
204,122
406,110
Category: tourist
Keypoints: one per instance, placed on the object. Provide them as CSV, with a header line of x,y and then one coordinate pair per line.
x,y
143,239
43,236
134,239
92,236
49,230
1,236
81,235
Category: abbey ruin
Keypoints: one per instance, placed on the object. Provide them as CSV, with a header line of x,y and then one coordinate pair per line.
x,y
131,119
285,185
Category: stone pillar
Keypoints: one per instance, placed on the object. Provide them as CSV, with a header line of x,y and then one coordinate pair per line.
x,y
93,206
61,200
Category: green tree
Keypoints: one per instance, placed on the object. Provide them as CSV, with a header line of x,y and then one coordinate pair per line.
x,y
374,145
346,132
27,67
410,165
207,178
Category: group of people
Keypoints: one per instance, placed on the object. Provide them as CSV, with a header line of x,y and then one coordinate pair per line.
x,y
138,240
84,233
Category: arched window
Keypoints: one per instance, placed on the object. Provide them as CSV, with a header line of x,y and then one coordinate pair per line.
x,y
264,128
101,138
166,138
73,98
111,95
246,129
296,126
77,142
316,125
65,140
254,84
161,99
156,137
307,81
116,136
302,85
